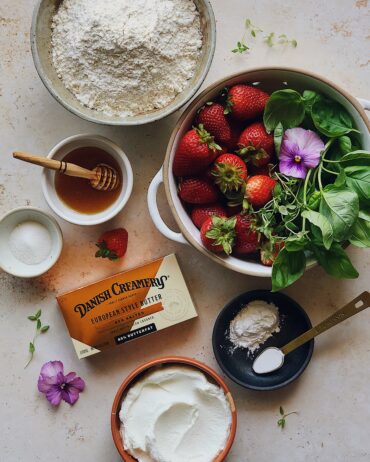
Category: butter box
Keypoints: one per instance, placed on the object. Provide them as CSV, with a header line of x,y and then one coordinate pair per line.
x,y
126,306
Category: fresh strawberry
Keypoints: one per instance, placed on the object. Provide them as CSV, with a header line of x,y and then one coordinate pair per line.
x,y
259,190
201,213
195,152
218,234
229,172
198,190
247,237
246,102
256,144
269,252
212,117
112,244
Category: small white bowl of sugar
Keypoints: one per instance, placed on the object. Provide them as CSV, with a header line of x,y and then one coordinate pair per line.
x,y
30,242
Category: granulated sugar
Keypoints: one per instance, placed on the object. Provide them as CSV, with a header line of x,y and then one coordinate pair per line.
x,y
30,242
125,57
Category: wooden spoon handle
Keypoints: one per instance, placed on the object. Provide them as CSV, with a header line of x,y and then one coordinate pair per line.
x,y
59,165
358,304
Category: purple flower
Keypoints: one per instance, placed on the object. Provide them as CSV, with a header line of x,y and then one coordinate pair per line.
x,y
57,386
300,150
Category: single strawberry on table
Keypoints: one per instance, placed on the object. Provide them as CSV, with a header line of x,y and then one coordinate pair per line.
x,y
259,190
269,252
196,150
198,190
229,172
218,234
246,102
247,237
200,213
256,145
112,244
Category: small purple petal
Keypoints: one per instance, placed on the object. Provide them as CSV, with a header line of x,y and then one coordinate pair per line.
x,y
52,368
77,383
293,169
69,377
70,394
54,396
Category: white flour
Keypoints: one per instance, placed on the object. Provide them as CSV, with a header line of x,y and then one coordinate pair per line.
x,y
254,324
126,57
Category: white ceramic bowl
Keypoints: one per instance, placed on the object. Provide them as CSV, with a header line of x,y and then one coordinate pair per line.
x,y
65,212
41,45
9,221
269,79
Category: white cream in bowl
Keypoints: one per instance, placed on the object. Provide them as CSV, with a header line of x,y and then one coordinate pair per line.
x,y
174,414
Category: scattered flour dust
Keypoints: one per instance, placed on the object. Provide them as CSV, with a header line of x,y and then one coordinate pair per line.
x,y
126,57
254,324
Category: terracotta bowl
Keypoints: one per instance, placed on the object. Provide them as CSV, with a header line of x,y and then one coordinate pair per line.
x,y
168,360
269,79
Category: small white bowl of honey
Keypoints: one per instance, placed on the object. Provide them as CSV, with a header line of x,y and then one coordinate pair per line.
x,y
72,198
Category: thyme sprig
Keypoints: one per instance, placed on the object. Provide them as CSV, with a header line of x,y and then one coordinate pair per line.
x,y
40,329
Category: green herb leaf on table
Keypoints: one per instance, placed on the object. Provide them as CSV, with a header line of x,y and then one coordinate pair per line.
x,y
320,221
282,421
40,329
285,107
241,48
335,261
340,206
330,118
360,236
287,268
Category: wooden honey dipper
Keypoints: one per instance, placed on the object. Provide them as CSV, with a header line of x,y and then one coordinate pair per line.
x,y
103,177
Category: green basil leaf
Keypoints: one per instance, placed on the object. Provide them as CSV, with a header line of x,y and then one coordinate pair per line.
x,y
314,200
330,118
284,106
287,268
278,137
335,261
340,206
354,155
364,214
309,97
38,314
360,233
358,178
321,222
341,178
295,244
344,144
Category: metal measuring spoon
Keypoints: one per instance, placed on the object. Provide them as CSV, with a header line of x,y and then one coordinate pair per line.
x,y
272,358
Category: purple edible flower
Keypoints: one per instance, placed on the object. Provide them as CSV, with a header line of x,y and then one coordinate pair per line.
x,y
300,150
57,386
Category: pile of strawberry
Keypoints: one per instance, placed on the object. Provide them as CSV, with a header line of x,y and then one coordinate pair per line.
x,y
222,168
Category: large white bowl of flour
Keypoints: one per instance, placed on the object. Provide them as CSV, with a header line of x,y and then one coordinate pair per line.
x,y
119,62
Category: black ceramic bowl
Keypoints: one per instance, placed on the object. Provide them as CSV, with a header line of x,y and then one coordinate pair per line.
x,y
237,365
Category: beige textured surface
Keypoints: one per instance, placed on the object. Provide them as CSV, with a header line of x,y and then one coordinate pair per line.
x,y
332,397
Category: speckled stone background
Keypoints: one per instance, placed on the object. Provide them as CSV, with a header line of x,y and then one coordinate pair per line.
x,y
332,397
